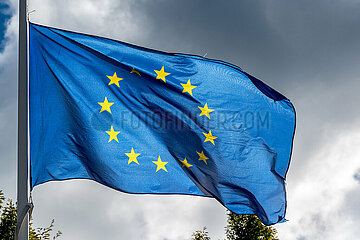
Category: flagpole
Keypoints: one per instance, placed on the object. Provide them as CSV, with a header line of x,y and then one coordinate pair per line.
x,y
22,230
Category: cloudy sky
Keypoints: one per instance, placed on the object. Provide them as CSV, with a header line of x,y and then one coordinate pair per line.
x,y
308,50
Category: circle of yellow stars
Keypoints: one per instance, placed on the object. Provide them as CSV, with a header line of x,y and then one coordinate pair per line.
x,y
187,89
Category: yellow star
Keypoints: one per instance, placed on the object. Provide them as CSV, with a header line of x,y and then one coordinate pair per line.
x,y
114,80
188,87
185,163
202,157
133,70
113,134
160,164
209,137
132,156
105,106
161,74
205,111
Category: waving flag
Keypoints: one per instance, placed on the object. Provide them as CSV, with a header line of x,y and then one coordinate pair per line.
x,y
143,121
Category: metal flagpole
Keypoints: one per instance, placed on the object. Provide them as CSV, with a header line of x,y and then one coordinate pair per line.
x,y
23,206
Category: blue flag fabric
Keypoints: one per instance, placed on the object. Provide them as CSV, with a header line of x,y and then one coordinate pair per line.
x,y
144,121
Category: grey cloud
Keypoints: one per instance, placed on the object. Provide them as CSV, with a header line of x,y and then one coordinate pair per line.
x,y
301,238
351,207
263,36
357,175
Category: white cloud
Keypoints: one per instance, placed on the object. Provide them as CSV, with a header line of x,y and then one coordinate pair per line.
x,y
8,107
316,202
87,210
108,18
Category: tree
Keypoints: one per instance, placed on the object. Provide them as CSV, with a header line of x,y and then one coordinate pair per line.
x,y
201,235
8,220
248,227
241,227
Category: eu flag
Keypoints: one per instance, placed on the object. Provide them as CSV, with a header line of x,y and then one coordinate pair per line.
x,y
144,121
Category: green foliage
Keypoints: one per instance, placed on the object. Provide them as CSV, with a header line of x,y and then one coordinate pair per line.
x,y
43,233
248,227
8,220
201,235
241,227
2,198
